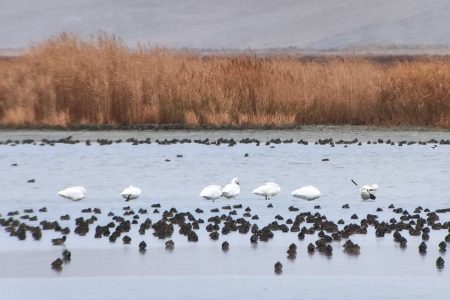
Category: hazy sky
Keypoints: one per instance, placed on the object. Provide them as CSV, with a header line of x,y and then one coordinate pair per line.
x,y
241,24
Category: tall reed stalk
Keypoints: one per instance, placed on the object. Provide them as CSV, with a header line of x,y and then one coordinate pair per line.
x,y
70,81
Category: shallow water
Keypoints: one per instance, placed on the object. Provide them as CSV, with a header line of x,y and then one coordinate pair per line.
x,y
408,176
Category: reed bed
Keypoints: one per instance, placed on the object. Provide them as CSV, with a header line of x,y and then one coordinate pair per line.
x,y
69,81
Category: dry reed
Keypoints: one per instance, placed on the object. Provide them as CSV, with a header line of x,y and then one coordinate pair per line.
x,y
69,81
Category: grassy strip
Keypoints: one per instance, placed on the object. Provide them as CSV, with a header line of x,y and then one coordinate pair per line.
x,y
68,81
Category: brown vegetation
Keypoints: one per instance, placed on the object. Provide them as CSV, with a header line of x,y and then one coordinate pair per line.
x,y
69,81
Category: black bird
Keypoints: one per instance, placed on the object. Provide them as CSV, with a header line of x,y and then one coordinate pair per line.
x,y
278,268
57,264
66,255
59,241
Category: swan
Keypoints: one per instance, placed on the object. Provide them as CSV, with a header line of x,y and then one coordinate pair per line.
x,y
75,193
373,187
232,190
211,192
131,193
308,192
268,190
367,191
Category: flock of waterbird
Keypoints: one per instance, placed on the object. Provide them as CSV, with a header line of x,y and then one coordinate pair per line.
x,y
304,223
222,141
77,193
229,191
227,219
267,190
271,189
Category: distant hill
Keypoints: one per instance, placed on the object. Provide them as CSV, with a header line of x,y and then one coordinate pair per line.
x,y
307,25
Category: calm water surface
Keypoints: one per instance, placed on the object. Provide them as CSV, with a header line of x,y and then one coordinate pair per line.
x,y
408,176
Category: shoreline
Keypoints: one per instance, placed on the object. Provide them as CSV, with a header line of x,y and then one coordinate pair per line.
x,y
303,57
182,127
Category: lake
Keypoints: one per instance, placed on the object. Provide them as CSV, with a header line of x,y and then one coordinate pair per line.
x,y
173,175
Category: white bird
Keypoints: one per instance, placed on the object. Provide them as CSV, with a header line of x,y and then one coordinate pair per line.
x,y
268,190
308,192
131,193
75,193
232,190
211,192
367,191
374,187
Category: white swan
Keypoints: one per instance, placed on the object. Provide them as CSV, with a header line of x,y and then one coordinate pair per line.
x,y
367,191
268,190
131,193
374,187
308,192
211,192
75,193
232,190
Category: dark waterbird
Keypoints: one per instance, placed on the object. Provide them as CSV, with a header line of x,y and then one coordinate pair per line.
x,y
67,255
57,264
225,246
440,262
278,268
142,246
59,241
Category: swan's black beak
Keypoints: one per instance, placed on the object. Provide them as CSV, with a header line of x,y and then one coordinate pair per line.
x,y
372,196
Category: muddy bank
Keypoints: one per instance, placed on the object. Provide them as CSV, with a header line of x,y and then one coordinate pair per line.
x,y
205,127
